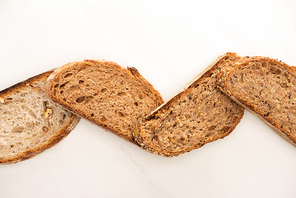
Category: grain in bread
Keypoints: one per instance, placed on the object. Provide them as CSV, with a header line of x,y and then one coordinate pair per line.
x,y
266,87
29,121
199,114
104,93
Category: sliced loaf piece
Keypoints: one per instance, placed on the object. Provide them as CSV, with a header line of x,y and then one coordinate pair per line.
x,y
29,121
104,93
199,114
266,87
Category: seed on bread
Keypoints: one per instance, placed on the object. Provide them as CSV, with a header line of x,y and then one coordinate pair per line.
x,y
47,113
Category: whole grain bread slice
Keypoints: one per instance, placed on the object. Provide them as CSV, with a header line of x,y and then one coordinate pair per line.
x,y
29,122
104,93
197,115
266,87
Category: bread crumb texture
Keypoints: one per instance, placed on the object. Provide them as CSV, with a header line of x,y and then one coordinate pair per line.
x,y
196,116
28,120
268,87
104,93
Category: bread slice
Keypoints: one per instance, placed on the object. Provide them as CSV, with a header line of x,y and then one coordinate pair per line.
x,y
29,121
266,87
104,93
197,115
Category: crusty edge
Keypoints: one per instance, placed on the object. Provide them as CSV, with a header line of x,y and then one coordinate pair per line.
x,y
199,77
50,142
133,72
269,122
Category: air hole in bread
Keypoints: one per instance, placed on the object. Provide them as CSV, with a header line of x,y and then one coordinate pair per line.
x,y
189,97
68,75
136,104
56,85
103,90
62,85
121,94
61,92
81,81
120,114
17,129
92,115
267,114
80,99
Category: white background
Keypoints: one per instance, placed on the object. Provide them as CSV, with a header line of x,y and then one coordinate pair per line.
x,y
169,42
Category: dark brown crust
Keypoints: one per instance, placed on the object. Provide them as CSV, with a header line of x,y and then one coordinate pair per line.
x,y
131,71
23,84
207,72
50,142
270,122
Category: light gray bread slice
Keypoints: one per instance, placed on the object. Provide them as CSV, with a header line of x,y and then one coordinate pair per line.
x,y
266,87
104,93
197,115
29,121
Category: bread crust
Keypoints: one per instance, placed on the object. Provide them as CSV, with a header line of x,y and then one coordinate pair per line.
x,y
131,71
51,141
149,147
270,122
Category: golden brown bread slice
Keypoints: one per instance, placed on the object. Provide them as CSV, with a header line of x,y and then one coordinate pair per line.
x,y
29,121
197,115
105,94
266,87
